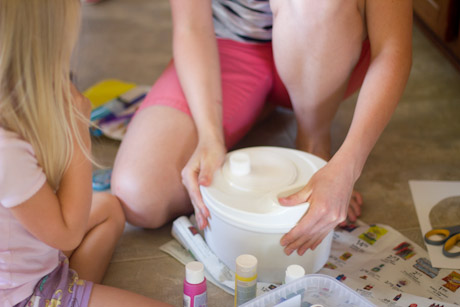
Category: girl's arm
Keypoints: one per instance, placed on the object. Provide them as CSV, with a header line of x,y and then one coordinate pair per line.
x,y
60,219
197,64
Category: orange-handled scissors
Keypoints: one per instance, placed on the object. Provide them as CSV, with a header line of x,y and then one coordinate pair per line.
x,y
450,237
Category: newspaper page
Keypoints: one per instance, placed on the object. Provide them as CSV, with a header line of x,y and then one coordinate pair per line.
x,y
376,261
386,267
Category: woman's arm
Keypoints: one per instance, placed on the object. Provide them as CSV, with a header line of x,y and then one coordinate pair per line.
x,y
197,63
390,34
60,219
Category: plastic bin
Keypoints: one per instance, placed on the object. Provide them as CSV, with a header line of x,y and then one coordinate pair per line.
x,y
311,290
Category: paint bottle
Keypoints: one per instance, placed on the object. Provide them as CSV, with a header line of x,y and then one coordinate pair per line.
x,y
195,285
245,279
293,272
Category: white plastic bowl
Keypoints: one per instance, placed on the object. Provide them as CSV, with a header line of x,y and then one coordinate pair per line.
x,y
246,217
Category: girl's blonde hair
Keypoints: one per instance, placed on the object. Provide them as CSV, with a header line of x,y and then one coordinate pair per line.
x,y
36,42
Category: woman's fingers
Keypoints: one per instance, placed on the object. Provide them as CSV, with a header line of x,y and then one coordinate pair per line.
x,y
199,171
190,181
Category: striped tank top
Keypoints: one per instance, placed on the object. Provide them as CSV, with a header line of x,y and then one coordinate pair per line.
x,y
243,20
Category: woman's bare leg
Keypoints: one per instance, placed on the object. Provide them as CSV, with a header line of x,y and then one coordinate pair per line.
x,y
316,46
147,171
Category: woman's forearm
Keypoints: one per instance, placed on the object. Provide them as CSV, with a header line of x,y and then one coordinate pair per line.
x,y
197,63
378,98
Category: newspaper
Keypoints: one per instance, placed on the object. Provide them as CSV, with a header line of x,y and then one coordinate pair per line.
x,y
389,269
376,261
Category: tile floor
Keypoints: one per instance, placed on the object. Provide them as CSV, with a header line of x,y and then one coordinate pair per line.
x,y
131,41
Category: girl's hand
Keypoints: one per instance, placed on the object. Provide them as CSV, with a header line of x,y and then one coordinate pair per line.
x,y
83,106
329,193
206,159
80,102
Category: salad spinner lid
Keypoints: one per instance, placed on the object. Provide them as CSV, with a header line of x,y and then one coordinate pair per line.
x,y
245,190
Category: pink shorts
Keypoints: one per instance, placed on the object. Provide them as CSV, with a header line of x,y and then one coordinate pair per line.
x,y
249,80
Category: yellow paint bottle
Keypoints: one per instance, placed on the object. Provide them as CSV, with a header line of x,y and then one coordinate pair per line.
x,y
245,279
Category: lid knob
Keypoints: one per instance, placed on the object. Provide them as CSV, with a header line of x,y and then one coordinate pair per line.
x,y
240,164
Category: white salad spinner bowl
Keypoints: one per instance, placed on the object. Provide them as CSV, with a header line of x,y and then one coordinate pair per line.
x,y
246,217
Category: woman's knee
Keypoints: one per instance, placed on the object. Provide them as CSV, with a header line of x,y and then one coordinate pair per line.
x,y
151,214
312,11
145,201
295,11
129,185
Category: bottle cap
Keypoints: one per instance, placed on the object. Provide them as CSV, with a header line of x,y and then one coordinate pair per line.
x,y
246,265
294,271
194,272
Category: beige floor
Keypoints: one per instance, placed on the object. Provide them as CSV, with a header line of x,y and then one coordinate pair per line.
x,y
131,40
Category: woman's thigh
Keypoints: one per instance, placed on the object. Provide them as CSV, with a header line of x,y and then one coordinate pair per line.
x,y
280,96
162,136
146,176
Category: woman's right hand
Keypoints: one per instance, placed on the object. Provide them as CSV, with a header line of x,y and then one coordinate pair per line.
x,y
199,170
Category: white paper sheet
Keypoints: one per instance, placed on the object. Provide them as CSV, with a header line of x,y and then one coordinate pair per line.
x,y
427,194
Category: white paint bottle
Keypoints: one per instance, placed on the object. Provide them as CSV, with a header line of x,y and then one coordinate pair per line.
x,y
293,272
245,279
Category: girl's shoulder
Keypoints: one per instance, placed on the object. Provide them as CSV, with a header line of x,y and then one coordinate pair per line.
x,y
19,170
10,139
14,149
7,134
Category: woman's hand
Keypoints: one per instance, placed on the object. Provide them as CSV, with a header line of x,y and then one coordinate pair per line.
x,y
207,158
329,193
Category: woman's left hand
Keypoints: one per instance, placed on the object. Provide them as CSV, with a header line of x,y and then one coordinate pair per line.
x,y
330,195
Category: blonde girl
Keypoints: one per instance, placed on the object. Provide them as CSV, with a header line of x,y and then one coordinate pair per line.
x,y
56,238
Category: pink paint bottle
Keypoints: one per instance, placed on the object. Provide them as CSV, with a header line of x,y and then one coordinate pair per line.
x,y
195,285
